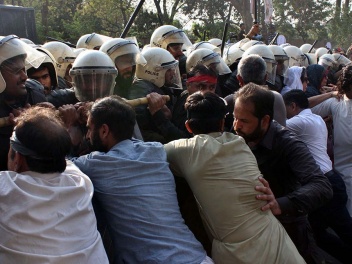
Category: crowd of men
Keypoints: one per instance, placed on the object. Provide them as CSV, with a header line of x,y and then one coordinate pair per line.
x,y
174,153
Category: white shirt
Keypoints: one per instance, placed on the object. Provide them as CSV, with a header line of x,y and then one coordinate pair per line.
x,y
311,129
341,112
48,218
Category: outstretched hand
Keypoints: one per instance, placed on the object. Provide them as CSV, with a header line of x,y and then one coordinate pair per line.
x,y
267,195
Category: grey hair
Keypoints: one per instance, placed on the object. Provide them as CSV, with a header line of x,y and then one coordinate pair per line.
x,y
252,69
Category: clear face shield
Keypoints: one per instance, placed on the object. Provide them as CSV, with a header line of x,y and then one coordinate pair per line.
x,y
172,75
326,63
176,36
299,60
126,54
271,70
11,46
216,63
90,85
282,65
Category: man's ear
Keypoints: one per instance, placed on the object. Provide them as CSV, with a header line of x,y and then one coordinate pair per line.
x,y
240,80
188,127
20,163
104,131
265,122
222,125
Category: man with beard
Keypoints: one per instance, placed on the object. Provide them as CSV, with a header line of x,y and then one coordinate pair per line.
x,y
126,55
135,190
286,163
253,68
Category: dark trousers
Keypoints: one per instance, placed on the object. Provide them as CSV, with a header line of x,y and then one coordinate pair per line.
x,y
332,223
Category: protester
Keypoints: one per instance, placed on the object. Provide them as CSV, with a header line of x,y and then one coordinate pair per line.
x,y
286,163
317,79
311,129
45,201
135,190
222,173
340,109
295,78
253,69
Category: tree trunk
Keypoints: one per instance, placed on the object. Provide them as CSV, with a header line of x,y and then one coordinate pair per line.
x,y
45,13
346,5
243,8
338,9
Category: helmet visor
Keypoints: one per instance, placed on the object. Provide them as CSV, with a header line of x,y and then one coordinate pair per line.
x,y
12,46
177,36
91,86
172,75
271,71
216,63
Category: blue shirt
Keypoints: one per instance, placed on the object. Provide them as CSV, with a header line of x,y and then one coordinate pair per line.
x,y
136,190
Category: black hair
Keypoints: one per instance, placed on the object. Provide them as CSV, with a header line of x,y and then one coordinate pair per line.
x,y
118,115
41,130
344,83
298,97
205,112
261,97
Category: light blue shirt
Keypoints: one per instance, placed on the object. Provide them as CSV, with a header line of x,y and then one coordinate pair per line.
x,y
136,190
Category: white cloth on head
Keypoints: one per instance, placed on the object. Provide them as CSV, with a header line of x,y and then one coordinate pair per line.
x,y
292,79
48,218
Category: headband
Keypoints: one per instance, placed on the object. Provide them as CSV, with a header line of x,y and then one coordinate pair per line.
x,y
17,146
202,78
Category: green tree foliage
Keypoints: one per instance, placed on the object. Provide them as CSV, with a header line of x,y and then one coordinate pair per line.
x,y
339,26
303,18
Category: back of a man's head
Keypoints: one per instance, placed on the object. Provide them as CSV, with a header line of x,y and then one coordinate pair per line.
x,y
260,97
252,69
42,139
205,112
298,97
118,115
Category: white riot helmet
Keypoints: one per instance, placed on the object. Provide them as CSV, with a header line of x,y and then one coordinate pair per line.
x,y
203,45
63,55
264,52
233,54
49,62
27,41
295,55
240,43
167,34
341,59
320,52
283,45
124,53
281,58
327,60
11,46
78,51
215,41
93,74
310,59
91,41
305,48
161,68
251,43
208,58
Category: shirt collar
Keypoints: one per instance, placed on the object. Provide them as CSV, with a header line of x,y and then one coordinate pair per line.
x,y
268,139
305,111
